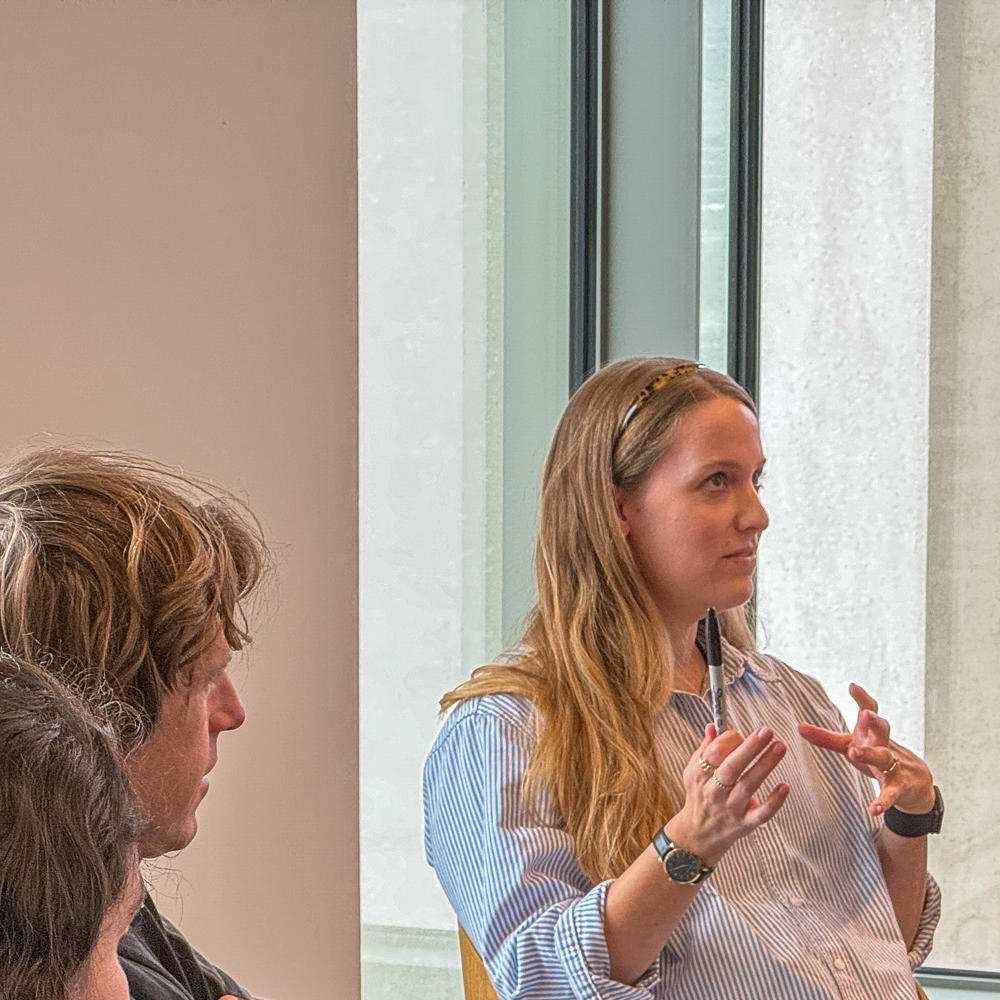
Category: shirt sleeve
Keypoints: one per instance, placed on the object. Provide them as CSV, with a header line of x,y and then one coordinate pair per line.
x,y
510,871
924,939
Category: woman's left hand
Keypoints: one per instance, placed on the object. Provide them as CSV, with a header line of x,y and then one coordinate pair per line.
x,y
904,779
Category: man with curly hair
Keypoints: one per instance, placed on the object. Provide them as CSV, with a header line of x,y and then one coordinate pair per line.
x,y
135,577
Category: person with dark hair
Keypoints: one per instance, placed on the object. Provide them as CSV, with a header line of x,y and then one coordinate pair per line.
x,y
69,825
136,576
597,833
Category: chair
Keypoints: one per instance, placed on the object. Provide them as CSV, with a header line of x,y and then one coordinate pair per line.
x,y
477,984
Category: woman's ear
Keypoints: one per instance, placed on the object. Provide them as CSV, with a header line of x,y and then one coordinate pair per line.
x,y
620,498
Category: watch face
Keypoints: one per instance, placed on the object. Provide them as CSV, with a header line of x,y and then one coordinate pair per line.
x,y
682,866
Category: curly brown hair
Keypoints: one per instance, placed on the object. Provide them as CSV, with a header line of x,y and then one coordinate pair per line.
x,y
117,567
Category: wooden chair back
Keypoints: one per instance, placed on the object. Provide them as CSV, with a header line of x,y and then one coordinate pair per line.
x,y
477,984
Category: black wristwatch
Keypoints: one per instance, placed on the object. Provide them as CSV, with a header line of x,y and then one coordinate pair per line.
x,y
916,824
682,866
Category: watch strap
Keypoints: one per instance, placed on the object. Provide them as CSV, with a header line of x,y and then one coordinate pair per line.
x,y
664,846
916,824
662,843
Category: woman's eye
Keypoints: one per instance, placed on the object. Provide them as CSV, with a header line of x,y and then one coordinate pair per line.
x,y
718,480
758,481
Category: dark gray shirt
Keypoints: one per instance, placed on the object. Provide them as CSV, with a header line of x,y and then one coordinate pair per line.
x,y
160,965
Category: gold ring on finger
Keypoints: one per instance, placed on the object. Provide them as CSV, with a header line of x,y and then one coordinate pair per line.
x,y
705,766
892,766
721,784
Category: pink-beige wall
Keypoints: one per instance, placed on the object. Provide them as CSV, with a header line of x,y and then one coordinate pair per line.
x,y
178,265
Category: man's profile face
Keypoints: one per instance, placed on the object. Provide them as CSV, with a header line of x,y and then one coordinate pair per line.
x,y
169,768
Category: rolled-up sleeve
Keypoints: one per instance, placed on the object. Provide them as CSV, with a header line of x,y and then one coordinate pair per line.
x,y
509,870
865,790
924,939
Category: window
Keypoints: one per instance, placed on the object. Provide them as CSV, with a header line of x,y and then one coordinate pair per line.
x,y
463,218
878,400
876,563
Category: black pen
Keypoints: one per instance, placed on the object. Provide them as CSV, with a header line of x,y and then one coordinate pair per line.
x,y
713,653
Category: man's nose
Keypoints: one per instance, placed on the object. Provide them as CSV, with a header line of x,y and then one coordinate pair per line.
x,y
227,711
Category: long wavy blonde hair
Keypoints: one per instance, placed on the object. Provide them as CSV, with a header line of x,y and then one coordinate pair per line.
x,y
592,658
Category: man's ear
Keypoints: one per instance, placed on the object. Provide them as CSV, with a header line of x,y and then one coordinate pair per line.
x,y
619,497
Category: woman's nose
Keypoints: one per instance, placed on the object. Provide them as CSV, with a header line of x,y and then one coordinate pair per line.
x,y
754,514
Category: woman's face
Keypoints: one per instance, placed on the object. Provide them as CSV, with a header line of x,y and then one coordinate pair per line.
x,y
695,521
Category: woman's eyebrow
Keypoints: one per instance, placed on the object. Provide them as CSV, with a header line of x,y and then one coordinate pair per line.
x,y
728,463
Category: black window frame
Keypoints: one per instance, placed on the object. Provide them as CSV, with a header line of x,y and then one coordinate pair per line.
x,y
586,201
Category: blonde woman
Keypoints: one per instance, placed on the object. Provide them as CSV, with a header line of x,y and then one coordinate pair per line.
x,y
778,870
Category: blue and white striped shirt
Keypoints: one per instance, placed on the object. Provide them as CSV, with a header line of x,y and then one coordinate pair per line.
x,y
797,910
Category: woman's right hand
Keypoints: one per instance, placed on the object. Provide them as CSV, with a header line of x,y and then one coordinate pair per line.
x,y
721,782
642,907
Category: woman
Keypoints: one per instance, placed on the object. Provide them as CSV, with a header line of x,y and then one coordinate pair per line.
x,y
560,762
69,864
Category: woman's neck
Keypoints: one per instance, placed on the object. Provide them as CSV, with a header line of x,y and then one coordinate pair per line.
x,y
689,664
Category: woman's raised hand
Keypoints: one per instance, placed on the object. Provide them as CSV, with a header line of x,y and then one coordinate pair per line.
x,y
721,782
904,779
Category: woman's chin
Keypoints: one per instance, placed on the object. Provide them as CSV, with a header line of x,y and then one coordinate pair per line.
x,y
734,598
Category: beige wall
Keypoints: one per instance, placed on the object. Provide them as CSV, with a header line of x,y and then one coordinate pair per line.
x,y
178,276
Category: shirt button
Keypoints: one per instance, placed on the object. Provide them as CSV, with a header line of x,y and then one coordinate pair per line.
x,y
839,964
795,900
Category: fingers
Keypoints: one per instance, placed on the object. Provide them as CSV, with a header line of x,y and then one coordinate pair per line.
x,y
863,699
706,742
744,768
884,801
735,763
880,758
870,731
824,738
915,799
718,749
759,814
886,798
872,728
904,779
694,768
721,782
754,776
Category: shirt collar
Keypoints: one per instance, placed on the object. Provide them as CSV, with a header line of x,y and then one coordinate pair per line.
x,y
736,661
